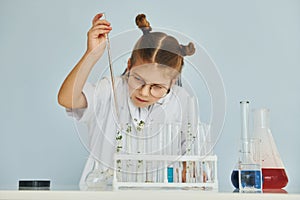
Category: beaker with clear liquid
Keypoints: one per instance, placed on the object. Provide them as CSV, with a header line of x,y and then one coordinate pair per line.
x,y
273,171
247,175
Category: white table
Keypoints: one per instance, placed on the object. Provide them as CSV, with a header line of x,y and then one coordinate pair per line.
x,y
141,195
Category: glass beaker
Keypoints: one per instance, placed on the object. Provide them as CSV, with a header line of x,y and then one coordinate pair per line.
x,y
247,172
250,178
273,171
250,173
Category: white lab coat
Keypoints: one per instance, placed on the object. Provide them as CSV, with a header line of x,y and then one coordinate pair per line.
x,y
100,118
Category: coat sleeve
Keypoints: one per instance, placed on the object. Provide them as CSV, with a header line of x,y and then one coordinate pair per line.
x,y
97,96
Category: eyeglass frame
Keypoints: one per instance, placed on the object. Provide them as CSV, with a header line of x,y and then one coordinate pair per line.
x,y
151,85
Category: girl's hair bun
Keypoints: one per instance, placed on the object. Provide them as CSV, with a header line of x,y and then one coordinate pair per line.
x,y
142,23
187,50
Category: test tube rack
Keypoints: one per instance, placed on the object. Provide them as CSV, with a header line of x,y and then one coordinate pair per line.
x,y
199,180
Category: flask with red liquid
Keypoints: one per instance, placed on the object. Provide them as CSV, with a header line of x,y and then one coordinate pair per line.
x,y
273,171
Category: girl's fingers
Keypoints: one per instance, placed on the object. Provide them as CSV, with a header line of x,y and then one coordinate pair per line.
x,y
102,21
97,17
97,32
101,27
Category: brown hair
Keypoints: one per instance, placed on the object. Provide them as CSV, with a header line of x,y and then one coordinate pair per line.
x,y
159,47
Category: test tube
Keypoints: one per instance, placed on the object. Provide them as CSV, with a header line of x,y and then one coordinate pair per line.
x,y
197,172
169,139
148,151
180,172
127,161
161,165
154,143
176,143
141,151
161,138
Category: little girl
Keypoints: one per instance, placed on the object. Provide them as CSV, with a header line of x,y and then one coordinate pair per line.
x,y
146,93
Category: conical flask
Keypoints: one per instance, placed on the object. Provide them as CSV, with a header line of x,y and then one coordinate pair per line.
x,y
97,178
273,171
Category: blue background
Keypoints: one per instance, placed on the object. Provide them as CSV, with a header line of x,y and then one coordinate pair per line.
x,y
255,45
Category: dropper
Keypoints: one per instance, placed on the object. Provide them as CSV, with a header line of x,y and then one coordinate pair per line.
x,y
111,72
112,85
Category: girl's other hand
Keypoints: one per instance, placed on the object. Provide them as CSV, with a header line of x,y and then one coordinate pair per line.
x,y
97,33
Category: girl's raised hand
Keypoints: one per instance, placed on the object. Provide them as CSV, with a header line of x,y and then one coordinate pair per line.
x,y
96,34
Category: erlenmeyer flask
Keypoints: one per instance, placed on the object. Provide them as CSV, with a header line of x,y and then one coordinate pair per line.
x,y
273,171
97,179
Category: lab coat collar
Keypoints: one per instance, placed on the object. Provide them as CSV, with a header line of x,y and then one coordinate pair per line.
x,y
142,114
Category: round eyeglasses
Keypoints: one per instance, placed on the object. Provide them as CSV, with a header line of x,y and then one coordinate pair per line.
x,y
156,90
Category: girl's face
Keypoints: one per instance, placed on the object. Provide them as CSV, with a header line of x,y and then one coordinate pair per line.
x,y
149,82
